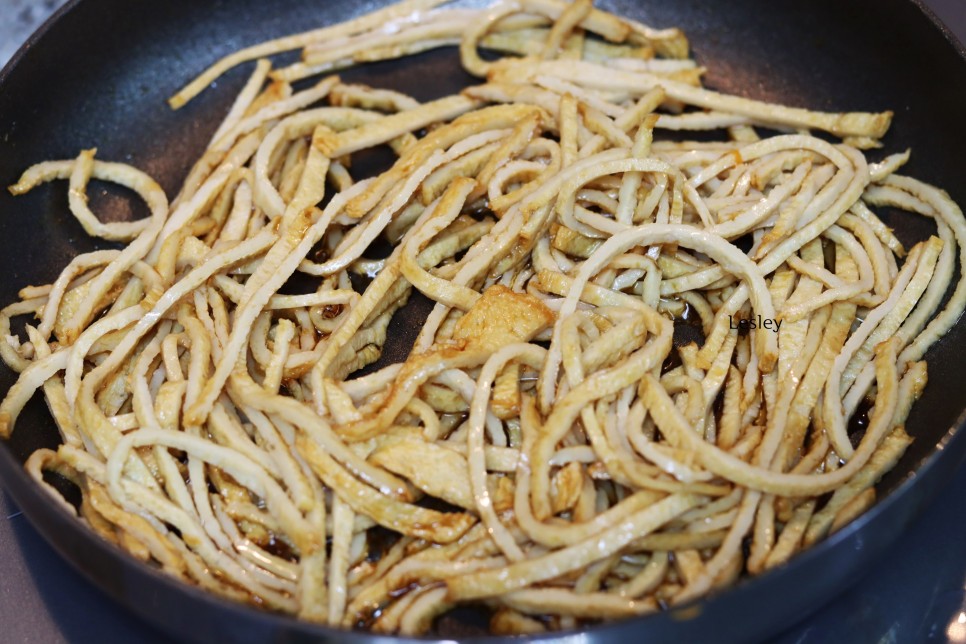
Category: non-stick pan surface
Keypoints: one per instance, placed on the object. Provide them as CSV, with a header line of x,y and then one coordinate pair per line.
x,y
99,74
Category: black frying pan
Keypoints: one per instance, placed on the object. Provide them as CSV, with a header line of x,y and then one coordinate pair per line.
x,y
99,76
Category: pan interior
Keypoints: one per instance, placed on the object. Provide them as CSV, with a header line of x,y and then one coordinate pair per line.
x,y
820,55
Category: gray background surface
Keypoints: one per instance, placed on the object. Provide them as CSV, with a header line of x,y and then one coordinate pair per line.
x,y
917,594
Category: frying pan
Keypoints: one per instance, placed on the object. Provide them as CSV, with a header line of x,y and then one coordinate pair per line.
x,y
99,74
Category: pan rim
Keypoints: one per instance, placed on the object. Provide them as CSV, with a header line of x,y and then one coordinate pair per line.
x,y
35,37
947,33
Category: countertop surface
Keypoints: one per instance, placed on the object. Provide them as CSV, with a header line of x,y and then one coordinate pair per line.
x,y
916,594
